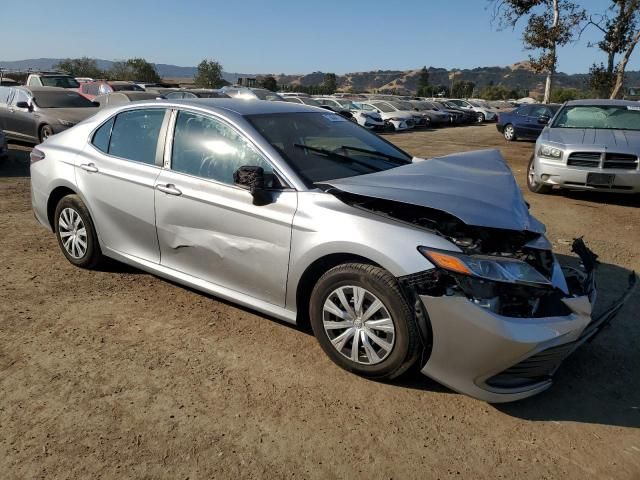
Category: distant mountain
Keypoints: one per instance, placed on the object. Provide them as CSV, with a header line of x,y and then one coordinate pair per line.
x,y
164,70
518,76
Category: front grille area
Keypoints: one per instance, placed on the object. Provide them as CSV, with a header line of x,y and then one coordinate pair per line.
x,y
620,160
584,159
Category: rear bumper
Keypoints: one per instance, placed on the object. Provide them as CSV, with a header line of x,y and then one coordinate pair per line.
x,y
502,359
559,174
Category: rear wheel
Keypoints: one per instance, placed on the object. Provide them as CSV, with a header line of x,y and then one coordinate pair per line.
x,y
509,133
362,321
76,234
534,185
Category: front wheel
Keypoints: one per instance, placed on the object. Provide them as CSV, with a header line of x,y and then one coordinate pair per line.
x,y
480,118
362,321
534,185
76,234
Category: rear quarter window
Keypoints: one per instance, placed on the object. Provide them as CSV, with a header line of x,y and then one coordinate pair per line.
x,y
102,136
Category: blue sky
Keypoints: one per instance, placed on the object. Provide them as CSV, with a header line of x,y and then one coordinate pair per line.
x,y
279,36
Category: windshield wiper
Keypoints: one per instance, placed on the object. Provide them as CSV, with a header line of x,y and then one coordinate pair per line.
x,y
379,154
336,156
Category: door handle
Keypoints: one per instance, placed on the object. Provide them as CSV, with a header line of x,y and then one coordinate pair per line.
x,y
169,189
89,167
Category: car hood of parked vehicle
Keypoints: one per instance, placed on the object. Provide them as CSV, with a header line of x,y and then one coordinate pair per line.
x,y
476,187
594,137
73,115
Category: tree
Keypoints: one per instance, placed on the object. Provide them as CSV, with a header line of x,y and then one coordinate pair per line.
x,y
551,24
330,83
561,95
134,69
423,83
600,80
269,82
80,67
620,27
462,89
209,74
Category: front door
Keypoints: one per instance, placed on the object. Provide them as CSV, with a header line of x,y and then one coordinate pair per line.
x,y
208,227
118,173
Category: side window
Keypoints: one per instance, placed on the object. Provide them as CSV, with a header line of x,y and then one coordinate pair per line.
x,y
135,133
102,136
206,147
5,94
538,111
20,96
524,110
104,88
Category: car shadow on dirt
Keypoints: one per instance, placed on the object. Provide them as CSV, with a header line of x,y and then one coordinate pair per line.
x,y
621,199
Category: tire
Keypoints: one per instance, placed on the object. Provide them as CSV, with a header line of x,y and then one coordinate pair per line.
x,y
69,233
509,133
45,132
480,118
532,184
393,323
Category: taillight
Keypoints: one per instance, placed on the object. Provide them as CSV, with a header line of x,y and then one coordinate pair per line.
x,y
36,155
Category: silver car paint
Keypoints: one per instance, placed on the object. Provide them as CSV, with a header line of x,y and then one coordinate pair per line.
x,y
572,140
477,187
322,225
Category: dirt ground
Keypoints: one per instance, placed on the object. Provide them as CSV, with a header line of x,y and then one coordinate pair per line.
x,y
119,374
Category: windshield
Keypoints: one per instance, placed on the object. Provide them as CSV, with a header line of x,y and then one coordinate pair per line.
x,y
403,105
61,99
60,81
384,107
130,87
325,146
609,117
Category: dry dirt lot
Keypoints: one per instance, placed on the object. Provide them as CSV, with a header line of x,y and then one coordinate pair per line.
x,y
118,374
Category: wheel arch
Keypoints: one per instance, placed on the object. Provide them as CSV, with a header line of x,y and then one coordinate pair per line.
x,y
312,274
55,196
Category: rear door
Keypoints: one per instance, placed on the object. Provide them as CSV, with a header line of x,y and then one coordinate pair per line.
x,y
117,174
208,227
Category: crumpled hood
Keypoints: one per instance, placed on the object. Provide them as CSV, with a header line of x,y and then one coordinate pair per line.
x,y
619,140
476,187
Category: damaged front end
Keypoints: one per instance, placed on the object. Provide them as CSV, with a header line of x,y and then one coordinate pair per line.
x,y
497,312
502,341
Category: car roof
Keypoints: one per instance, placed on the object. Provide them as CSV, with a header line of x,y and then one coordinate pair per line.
x,y
245,107
604,103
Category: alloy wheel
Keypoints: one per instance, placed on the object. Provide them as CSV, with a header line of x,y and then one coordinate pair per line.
x,y
508,132
73,233
531,174
358,325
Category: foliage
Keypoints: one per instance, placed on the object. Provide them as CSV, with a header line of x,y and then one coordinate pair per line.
x,y
550,24
561,95
80,67
462,89
330,82
423,83
620,27
269,82
209,74
498,92
134,69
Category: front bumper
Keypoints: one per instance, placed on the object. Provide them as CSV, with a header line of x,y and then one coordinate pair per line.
x,y
557,173
501,359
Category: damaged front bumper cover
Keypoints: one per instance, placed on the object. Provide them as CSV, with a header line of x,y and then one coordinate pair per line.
x,y
498,358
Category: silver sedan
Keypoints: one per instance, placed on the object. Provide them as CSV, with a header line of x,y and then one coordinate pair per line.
x,y
297,213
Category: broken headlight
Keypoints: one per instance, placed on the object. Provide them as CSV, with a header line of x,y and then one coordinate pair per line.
x,y
499,269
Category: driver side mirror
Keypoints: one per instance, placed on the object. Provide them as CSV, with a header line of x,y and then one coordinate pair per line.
x,y
543,119
26,105
252,178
